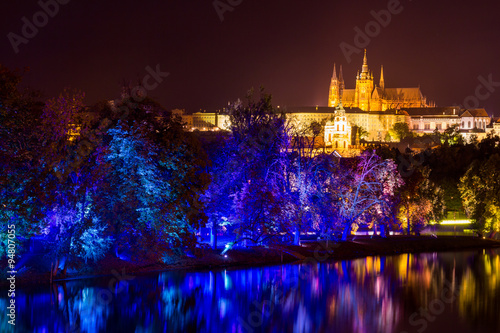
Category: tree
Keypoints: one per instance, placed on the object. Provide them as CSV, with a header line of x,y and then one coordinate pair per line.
x,y
298,162
400,131
217,198
362,133
451,135
56,176
73,172
20,157
421,201
326,177
259,209
372,182
254,150
150,195
480,191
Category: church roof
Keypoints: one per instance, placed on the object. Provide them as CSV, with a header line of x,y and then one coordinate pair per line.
x,y
474,113
314,109
434,112
400,93
348,95
377,93
472,130
327,109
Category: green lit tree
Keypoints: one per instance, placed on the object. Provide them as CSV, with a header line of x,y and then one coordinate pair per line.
x,y
400,131
480,192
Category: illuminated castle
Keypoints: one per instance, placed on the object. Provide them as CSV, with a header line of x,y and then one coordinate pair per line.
x,y
368,96
369,109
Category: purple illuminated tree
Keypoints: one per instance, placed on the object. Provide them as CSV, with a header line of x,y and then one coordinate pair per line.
x,y
371,183
254,151
74,170
300,160
259,211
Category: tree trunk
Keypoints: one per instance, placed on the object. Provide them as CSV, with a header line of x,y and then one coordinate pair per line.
x,y
346,231
383,230
65,267
56,268
296,237
213,235
408,218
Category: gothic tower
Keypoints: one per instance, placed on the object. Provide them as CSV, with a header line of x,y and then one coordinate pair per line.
x,y
364,87
382,83
334,95
341,84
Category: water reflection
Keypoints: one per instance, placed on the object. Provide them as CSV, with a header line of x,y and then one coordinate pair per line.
x,y
404,293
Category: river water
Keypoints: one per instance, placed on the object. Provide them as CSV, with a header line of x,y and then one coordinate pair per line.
x,y
430,292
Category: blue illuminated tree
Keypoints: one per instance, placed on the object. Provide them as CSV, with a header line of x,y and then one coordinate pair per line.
x,y
73,173
254,151
150,195
300,164
217,200
370,184
327,178
20,157
258,208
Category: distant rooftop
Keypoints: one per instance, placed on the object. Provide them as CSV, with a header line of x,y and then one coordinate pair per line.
x,y
328,109
446,112
435,111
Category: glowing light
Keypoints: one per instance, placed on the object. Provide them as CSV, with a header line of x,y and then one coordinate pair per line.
x,y
453,222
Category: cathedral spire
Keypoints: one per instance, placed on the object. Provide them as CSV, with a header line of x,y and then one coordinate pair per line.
x,y
364,69
333,98
341,82
382,83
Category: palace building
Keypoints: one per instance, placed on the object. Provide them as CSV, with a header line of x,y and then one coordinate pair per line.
x,y
338,130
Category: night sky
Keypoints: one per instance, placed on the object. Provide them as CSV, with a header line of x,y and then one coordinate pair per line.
x,y
288,47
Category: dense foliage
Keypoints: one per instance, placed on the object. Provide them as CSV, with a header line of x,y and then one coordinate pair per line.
x,y
116,176
125,178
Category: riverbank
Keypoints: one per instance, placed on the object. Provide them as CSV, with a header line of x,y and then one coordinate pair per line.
x,y
36,272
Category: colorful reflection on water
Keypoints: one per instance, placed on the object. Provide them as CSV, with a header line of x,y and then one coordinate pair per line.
x,y
436,292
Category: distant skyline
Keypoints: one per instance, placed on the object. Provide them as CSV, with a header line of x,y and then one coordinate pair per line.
x,y
214,51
